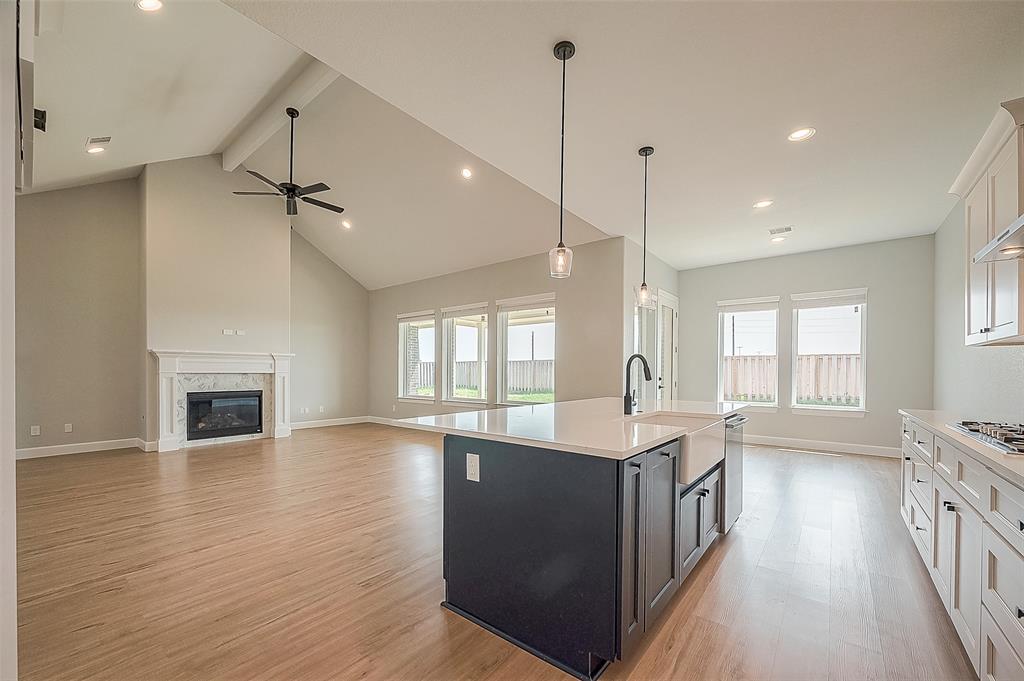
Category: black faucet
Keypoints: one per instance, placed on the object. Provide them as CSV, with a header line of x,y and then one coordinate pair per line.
x,y
627,399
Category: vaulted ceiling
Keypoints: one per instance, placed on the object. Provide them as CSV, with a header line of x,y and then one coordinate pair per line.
x,y
163,85
899,93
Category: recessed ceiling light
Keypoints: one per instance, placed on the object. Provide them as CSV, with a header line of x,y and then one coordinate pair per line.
x,y
779,234
778,239
346,224
95,150
467,173
1011,250
801,134
96,145
763,204
149,5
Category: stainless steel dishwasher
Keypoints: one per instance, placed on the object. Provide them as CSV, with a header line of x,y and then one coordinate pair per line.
x,y
733,497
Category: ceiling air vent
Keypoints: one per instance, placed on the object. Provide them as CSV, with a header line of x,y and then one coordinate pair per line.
x,y
95,145
780,231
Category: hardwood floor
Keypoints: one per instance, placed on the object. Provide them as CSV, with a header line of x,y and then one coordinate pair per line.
x,y
318,557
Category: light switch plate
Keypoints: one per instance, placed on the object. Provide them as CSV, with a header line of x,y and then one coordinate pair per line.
x,y
33,430
68,427
472,467
228,332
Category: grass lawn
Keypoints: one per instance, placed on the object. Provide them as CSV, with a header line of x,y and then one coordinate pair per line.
x,y
532,397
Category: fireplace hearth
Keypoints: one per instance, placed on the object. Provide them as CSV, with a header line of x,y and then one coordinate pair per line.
x,y
224,413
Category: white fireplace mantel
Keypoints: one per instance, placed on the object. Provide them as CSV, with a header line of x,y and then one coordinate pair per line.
x,y
175,362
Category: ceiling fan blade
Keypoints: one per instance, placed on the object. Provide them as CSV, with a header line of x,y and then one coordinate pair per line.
x,y
257,193
312,189
291,208
265,179
323,204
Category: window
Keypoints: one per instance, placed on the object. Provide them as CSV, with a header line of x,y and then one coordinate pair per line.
x,y
526,350
416,355
828,358
465,353
748,358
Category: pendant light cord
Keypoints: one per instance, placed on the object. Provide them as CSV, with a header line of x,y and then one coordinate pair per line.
x,y
561,179
644,279
291,152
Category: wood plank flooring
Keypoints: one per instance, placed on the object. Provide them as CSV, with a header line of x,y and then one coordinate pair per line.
x,y
318,557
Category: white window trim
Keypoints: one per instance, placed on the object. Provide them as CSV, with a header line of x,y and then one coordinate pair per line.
x,y
512,305
765,304
451,313
837,298
405,317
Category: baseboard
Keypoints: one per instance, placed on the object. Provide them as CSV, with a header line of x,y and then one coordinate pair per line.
x,y
380,420
819,445
83,447
324,423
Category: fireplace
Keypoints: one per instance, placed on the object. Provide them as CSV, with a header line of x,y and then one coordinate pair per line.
x,y
224,413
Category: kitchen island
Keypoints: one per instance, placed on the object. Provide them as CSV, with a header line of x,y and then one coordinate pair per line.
x,y
568,527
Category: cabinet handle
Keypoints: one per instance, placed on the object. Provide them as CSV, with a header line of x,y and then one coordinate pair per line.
x,y
636,464
1020,613
1021,525
666,453
919,528
919,442
920,482
906,458
703,492
949,506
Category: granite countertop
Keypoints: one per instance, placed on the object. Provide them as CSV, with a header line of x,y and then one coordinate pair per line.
x,y
595,427
1009,466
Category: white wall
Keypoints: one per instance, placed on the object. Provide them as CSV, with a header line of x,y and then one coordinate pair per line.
x,y
330,337
8,549
972,382
78,314
899,350
588,327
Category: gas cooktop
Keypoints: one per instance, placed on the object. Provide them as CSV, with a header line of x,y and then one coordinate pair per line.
x,y
1006,437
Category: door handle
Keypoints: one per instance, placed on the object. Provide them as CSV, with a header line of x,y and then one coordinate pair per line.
x,y
635,464
666,453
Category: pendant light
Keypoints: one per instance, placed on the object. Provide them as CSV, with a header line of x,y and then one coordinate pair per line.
x,y
644,296
560,257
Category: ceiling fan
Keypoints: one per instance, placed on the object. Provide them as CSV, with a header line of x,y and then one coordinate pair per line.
x,y
289,190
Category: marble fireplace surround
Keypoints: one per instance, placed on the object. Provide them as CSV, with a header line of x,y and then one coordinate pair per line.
x,y
184,371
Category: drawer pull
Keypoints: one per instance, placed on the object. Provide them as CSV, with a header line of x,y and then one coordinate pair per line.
x,y
920,482
906,458
704,492
1020,613
920,529
920,443
1021,525
666,453
635,464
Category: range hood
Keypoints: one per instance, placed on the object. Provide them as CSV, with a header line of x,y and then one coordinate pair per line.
x,y
1007,246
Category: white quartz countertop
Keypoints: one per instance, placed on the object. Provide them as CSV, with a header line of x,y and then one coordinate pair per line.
x,y
1009,466
596,427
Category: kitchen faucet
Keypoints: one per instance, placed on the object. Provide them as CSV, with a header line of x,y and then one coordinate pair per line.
x,y
627,399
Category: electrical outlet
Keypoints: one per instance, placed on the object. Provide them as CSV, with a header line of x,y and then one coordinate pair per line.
x,y
33,430
394,408
472,467
323,409
68,427
228,332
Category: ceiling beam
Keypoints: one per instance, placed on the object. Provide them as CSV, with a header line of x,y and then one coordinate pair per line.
x,y
300,92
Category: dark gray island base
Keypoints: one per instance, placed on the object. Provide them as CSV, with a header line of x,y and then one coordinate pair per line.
x,y
570,556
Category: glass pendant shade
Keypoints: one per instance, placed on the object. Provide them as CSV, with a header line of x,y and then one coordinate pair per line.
x,y
644,296
560,258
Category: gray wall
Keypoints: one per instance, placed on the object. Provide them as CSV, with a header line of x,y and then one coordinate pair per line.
x,y
330,337
899,276
588,328
78,314
973,382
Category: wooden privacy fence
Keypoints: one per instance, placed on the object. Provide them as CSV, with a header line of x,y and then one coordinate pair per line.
x,y
820,379
524,376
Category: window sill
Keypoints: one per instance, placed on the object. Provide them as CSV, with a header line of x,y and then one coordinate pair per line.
x,y
522,404
761,408
417,399
841,412
463,401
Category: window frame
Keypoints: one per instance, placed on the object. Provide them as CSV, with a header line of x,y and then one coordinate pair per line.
x,y
406,318
449,314
820,299
762,304
504,307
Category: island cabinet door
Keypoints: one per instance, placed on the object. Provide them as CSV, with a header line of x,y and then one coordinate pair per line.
x,y
691,530
711,513
662,579
634,523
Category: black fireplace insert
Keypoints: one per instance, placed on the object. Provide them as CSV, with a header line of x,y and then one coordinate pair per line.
x,y
224,413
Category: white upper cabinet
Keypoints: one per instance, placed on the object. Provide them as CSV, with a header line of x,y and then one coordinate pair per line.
x,y
992,186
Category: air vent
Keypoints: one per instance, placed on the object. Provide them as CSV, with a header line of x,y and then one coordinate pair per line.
x,y
96,145
98,140
780,231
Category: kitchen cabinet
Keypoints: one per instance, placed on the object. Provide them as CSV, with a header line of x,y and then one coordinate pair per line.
x,y
1003,584
992,186
662,541
634,522
957,548
700,518
999,662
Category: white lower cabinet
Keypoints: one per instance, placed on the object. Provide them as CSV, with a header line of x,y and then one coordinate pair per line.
x,y
971,535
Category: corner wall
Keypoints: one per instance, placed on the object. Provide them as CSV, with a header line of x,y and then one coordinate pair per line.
x,y
899,276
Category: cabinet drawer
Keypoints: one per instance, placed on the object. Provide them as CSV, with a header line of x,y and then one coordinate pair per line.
x,y
1004,509
920,479
945,456
922,441
998,660
920,529
1003,588
970,480
906,436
